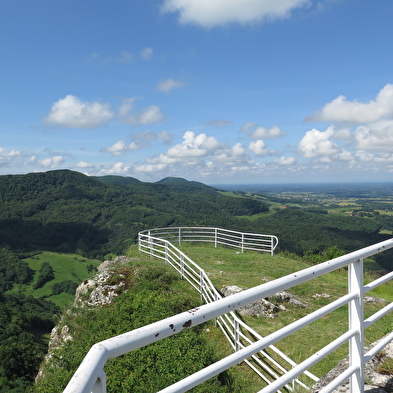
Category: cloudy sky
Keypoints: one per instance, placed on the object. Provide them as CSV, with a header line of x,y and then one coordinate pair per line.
x,y
223,91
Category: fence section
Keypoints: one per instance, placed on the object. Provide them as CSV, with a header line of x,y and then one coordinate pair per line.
x,y
90,376
269,364
240,240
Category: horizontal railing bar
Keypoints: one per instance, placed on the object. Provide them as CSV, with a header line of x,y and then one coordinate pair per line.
x,y
231,360
258,372
339,380
381,344
228,236
309,362
378,282
162,249
245,241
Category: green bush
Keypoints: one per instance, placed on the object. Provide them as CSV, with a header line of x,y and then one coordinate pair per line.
x,y
45,274
156,294
66,286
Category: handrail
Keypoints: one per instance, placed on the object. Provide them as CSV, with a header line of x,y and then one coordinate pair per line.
x,y
90,376
241,240
238,333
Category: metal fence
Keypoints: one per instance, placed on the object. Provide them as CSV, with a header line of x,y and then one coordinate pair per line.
x,y
248,345
218,236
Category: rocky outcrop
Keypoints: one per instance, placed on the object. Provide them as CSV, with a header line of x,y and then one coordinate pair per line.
x,y
97,291
268,307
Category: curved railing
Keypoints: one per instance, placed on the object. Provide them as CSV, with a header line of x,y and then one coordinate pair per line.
x,y
270,363
240,240
90,376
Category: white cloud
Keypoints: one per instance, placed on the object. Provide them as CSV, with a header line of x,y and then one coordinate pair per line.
x,y
344,156
118,168
315,143
208,13
8,153
364,156
51,162
150,168
376,136
146,53
319,145
194,146
120,147
385,158
71,112
84,164
343,134
149,115
258,147
170,84
198,155
235,156
262,132
196,151
341,110
285,161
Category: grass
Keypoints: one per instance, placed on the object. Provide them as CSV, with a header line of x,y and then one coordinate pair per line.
x,y
65,266
228,267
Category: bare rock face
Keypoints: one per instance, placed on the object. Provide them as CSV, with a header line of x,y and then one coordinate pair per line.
x,y
101,289
268,307
98,291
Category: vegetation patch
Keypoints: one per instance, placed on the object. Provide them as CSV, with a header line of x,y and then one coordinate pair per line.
x,y
156,293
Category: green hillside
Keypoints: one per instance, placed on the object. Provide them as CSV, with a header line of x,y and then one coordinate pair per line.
x,y
155,292
69,212
56,227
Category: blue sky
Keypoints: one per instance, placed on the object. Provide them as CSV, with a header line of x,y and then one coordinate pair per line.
x,y
223,91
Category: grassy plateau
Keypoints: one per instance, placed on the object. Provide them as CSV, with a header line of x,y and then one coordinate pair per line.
x,y
228,267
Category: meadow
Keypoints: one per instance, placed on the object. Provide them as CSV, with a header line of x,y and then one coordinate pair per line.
x,y
227,267
71,267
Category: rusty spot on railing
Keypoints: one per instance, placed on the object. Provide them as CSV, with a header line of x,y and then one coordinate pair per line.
x,y
187,324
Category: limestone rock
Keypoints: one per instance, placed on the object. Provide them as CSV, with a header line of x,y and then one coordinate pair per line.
x,y
98,291
268,307
375,382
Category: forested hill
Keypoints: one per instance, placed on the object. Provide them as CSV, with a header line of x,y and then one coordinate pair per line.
x,y
69,212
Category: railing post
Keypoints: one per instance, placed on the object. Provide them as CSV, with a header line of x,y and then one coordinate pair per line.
x,y
356,316
151,245
166,254
215,237
215,319
100,384
242,242
182,266
236,335
201,283
179,236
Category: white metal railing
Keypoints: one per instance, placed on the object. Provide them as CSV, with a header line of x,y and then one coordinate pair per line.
x,y
90,376
240,240
268,364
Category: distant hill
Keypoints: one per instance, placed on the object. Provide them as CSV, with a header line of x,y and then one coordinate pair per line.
x,y
183,185
67,211
122,180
